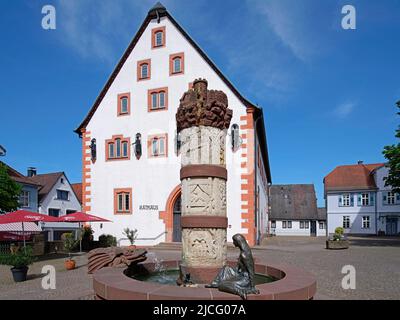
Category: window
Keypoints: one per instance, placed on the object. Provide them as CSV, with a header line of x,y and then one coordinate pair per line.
x,y
123,201
158,38
70,212
158,146
365,199
144,70
24,199
289,224
273,224
62,195
124,104
365,222
346,202
346,222
284,225
54,213
304,224
391,198
321,226
118,148
176,64
157,99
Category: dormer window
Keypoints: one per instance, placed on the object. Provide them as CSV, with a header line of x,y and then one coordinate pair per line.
x,y
176,63
144,70
124,104
118,148
158,38
158,99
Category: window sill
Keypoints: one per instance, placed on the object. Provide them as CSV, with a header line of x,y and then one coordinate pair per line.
x,y
117,159
143,79
158,109
122,213
176,73
124,114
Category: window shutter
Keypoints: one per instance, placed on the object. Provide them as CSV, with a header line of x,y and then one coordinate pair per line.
x,y
340,200
352,200
372,196
397,198
385,197
359,200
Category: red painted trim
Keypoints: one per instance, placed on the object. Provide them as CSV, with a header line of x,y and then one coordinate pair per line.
x,y
122,190
149,100
247,157
149,145
153,37
86,171
172,57
139,74
168,214
113,140
119,104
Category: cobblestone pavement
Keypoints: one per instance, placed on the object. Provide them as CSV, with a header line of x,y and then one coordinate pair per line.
x,y
376,260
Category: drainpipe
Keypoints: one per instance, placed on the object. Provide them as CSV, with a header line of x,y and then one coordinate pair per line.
x,y
376,212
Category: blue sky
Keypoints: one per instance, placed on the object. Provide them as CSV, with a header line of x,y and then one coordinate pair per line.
x,y
328,94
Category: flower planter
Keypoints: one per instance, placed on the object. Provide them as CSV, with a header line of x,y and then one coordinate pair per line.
x,y
19,274
70,264
337,244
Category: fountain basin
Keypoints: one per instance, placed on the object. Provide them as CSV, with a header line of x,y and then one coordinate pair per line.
x,y
116,284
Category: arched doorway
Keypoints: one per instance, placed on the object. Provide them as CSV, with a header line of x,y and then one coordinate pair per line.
x,y
172,205
177,231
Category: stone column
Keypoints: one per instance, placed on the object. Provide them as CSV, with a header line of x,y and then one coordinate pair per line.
x,y
203,118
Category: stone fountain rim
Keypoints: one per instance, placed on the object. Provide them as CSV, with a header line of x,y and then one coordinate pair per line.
x,y
293,284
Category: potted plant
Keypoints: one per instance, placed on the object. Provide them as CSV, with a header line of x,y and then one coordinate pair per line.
x,y
19,260
337,241
69,245
131,235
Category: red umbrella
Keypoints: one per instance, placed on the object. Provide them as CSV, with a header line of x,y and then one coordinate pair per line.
x,y
82,217
26,216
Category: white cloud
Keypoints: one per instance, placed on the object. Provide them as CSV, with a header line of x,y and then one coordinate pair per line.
x,y
93,28
344,110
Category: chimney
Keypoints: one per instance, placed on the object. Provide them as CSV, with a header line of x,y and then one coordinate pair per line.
x,y
31,172
360,162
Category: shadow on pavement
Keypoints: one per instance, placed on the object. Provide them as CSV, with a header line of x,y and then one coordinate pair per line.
x,y
375,241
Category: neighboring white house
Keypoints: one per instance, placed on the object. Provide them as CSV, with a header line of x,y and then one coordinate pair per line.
x,y
294,211
130,148
358,201
56,198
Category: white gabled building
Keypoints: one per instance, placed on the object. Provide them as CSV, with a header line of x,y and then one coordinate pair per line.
x,y
358,200
294,211
130,148
56,198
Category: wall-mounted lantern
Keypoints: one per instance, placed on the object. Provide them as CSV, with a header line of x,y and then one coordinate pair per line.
x,y
93,151
178,143
138,146
236,141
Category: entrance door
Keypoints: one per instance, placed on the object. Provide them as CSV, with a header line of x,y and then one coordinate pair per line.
x,y
177,232
391,226
313,228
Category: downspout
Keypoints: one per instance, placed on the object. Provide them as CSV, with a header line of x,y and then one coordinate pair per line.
x,y
376,213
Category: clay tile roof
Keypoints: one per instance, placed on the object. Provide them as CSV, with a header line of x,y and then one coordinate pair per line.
x,y
351,177
47,181
293,202
77,187
19,177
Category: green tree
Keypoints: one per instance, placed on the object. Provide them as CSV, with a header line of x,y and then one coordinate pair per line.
x,y
392,154
9,191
